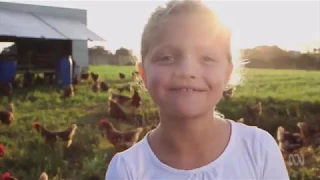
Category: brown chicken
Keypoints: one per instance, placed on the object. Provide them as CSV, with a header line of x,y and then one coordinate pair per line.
x,y
7,116
120,140
135,74
6,89
7,176
49,78
122,76
51,137
136,99
95,77
125,88
17,82
95,87
118,98
84,76
75,81
68,92
28,79
104,86
288,142
254,111
306,130
116,112
228,93
309,133
39,80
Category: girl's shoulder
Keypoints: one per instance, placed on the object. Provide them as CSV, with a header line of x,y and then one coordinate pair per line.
x,y
124,164
257,140
250,132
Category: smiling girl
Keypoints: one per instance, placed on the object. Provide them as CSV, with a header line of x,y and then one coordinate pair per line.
x,y
186,65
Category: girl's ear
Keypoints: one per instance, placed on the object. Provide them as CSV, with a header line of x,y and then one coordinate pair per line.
x,y
142,74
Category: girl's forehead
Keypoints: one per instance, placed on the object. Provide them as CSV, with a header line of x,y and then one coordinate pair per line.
x,y
195,41
187,25
195,19
188,29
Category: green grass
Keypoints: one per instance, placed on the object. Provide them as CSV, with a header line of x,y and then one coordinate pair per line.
x,y
287,97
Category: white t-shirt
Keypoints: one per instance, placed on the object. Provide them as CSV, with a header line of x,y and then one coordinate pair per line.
x,y
252,153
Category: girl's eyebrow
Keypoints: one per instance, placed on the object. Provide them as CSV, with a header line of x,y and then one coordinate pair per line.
x,y
162,47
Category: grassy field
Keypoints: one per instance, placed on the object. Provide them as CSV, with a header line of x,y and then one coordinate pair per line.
x,y
287,97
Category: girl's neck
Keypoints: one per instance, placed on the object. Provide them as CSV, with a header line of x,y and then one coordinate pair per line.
x,y
184,135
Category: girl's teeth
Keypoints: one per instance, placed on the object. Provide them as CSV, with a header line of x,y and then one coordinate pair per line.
x,y
186,90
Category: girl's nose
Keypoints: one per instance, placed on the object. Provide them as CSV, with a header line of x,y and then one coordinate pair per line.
x,y
186,68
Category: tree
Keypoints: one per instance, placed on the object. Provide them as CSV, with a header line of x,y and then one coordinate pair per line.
x,y
99,50
123,52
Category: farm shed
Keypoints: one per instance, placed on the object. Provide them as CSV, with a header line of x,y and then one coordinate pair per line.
x,y
38,35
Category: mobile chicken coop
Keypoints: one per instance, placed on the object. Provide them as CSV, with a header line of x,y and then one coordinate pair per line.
x,y
35,38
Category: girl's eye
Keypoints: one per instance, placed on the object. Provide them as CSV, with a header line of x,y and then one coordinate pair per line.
x,y
207,58
166,58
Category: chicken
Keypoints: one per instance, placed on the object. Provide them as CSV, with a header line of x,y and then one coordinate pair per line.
x,y
104,86
6,89
49,78
44,176
7,116
120,140
28,79
51,136
122,76
17,82
306,130
1,150
254,111
228,93
121,99
84,76
309,133
75,81
136,99
7,176
288,142
68,92
125,88
95,87
95,77
39,80
135,74
116,112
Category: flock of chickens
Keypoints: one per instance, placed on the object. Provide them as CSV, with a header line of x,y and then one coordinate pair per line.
x,y
120,140
288,142
292,141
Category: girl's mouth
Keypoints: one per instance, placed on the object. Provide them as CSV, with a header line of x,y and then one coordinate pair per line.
x,y
187,89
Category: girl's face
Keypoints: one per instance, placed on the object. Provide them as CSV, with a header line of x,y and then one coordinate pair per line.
x,y
186,68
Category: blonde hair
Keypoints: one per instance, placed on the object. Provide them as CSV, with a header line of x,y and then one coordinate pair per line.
x,y
176,7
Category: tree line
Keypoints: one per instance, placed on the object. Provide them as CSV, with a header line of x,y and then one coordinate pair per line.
x,y
271,57
122,57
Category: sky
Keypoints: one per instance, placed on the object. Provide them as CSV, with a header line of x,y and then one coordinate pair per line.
x,y
292,25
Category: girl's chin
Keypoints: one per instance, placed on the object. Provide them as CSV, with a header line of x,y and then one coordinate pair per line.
x,y
186,112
